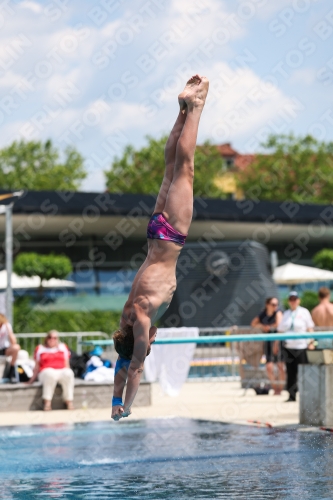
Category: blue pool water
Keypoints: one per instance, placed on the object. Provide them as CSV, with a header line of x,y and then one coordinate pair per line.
x,y
164,459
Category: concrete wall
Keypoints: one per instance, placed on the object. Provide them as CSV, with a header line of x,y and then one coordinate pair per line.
x,y
21,397
316,394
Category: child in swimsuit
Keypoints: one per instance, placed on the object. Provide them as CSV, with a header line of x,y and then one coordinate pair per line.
x,y
155,282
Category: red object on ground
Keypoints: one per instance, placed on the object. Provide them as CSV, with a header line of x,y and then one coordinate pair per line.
x,y
263,424
328,429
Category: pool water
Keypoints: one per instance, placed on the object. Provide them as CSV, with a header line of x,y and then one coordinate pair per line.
x,y
164,459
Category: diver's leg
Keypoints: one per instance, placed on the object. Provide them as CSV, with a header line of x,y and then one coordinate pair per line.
x,y
179,203
169,157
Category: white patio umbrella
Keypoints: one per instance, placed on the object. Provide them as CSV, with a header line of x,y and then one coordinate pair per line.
x,y
293,274
21,282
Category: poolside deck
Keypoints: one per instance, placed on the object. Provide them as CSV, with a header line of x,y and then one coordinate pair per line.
x,y
221,401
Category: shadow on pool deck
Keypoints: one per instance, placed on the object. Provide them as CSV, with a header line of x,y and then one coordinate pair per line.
x,y
220,401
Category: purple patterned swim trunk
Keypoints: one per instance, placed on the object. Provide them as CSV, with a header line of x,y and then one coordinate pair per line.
x,y
159,229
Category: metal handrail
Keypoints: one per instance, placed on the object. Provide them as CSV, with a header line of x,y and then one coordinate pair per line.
x,y
62,334
77,335
215,339
250,329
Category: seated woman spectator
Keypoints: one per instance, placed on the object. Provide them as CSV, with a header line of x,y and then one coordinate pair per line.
x,y
267,321
52,367
8,346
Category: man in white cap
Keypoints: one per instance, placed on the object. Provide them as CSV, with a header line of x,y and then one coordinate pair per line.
x,y
295,319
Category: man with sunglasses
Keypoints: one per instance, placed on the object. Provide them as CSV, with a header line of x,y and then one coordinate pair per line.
x,y
295,319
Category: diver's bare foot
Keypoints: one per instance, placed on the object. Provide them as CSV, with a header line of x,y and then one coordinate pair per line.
x,y
194,94
189,89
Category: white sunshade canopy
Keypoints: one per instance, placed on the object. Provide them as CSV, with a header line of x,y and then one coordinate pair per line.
x,y
293,274
21,282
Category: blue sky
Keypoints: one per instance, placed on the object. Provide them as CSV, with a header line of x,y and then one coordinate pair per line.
x,y
102,74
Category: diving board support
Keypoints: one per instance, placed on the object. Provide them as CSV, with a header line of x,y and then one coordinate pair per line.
x,y
315,383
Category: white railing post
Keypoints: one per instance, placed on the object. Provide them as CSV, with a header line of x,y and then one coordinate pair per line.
x,y
9,263
233,367
79,345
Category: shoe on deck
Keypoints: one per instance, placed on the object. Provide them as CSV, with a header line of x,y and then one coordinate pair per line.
x,y
13,376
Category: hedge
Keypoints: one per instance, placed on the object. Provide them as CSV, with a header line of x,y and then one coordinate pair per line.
x,y
27,319
309,300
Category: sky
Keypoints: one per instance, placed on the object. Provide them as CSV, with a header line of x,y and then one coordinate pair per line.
x,y
99,75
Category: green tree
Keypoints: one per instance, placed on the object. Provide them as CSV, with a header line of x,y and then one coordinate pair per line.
x,y
297,169
324,259
309,300
141,171
43,266
36,165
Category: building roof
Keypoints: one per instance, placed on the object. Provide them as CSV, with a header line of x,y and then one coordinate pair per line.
x,y
64,218
88,205
240,161
243,161
226,150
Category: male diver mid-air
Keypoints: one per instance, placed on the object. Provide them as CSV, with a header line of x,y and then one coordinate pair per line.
x,y
155,282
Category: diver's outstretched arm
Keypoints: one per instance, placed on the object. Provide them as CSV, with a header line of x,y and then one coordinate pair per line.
x,y
141,342
118,389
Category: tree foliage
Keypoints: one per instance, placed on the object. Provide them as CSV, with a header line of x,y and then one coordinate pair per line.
x,y
28,319
324,259
44,266
36,165
141,171
309,300
297,169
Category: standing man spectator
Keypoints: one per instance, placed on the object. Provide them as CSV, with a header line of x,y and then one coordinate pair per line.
x,y
322,315
268,321
295,319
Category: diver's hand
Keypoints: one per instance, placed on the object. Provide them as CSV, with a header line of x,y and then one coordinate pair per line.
x,y
117,412
126,412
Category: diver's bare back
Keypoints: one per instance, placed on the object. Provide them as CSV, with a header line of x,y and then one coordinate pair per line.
x,y
155,283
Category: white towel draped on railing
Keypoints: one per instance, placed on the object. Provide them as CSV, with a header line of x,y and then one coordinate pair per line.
x,y
170,363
